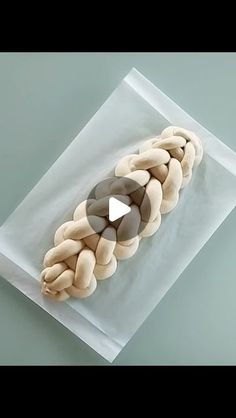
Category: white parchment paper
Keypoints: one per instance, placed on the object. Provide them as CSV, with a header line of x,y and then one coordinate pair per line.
x,y
107,320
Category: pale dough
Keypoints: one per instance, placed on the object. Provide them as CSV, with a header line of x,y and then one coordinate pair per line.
x,y
87,248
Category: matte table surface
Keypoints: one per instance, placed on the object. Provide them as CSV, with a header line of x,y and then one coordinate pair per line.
x,y
45,100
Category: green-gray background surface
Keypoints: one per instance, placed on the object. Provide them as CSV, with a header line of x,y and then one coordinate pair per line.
x,y
45,100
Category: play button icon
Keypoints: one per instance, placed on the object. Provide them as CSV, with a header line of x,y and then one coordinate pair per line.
x,y
117,209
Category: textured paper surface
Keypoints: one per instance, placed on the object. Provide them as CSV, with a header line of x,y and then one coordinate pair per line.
x,y
106,321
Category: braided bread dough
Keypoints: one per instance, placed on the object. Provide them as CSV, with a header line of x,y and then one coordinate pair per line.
x,y
87,248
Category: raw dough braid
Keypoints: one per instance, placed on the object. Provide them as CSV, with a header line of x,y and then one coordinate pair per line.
x,y
88,247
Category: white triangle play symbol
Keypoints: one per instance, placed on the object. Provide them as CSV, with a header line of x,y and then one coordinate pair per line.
x,y
117,209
